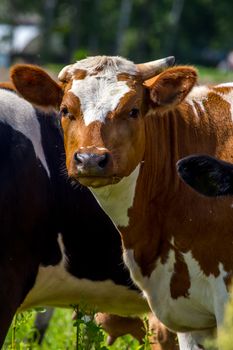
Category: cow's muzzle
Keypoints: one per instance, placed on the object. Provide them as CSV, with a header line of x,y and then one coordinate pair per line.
x,y
91,164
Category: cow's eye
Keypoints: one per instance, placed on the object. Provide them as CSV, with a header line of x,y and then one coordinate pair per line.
x,y
64,111
134,113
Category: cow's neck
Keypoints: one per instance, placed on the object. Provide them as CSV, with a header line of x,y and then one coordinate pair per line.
x,y
118,198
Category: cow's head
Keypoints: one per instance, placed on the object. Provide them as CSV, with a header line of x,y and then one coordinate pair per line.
x,y
207,175
103,102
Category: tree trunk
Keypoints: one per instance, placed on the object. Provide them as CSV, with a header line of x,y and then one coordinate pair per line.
x,y
47,28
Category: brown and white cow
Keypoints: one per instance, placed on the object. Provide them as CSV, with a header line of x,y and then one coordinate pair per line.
x,y
123,136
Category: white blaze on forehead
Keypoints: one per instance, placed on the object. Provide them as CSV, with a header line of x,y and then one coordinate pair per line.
x,y
100,91
98,96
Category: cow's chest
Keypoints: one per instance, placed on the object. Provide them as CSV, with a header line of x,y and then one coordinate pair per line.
x,y
202,304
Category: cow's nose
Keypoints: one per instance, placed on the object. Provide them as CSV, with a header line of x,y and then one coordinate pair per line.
x,y
89,161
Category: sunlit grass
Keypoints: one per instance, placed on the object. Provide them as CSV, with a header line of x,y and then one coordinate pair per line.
x,y
60,335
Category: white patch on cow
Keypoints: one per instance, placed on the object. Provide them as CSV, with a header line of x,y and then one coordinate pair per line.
x,y
191,103
95,147
200,105
228,98
55,286
215,295
116,199
100,66
229,84
204,305
134,269
198,93
220,294
98,97
181,314
21,116
192,340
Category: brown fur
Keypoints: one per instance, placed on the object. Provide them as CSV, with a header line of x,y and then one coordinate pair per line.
x,y
180,210
80,74
171,89
7,85
30,79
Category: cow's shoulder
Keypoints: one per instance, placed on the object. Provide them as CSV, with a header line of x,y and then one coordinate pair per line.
x,y
21,116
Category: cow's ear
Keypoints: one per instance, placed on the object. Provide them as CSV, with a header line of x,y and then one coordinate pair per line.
x,y
169,88
36,86
207,175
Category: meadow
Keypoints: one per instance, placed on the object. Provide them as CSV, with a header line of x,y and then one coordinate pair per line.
x,y
64,333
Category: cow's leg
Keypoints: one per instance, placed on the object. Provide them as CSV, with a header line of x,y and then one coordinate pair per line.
x,y
7,311
41,323
16,279
5,322
188,342
195,340
160,337
116,326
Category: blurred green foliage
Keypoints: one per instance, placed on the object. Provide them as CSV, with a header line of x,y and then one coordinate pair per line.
x,y
197,31
225,341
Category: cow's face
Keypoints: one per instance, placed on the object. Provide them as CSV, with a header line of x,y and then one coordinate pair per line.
x,y
103,127
103,105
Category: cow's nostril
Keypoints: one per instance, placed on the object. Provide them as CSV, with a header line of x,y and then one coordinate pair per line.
x,y
103,161
78,158
90,161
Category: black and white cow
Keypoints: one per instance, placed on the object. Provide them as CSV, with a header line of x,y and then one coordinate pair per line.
x,y
57,246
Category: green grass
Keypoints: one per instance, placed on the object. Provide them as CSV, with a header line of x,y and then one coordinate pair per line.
x,y
214,75
62,334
